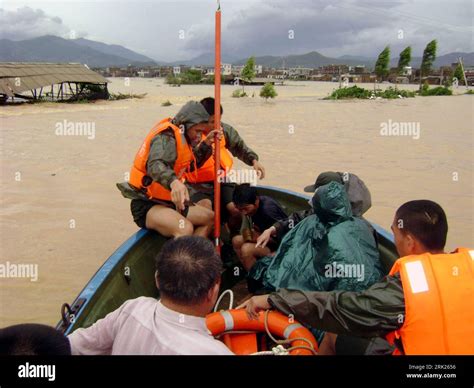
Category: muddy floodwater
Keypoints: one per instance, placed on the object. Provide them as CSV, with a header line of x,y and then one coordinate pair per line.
x,y
62,214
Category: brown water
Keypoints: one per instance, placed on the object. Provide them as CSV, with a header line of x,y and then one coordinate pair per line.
x,y
64,178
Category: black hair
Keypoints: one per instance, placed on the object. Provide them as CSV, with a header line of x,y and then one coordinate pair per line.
x,y
425,220
31,339
244,194
187,269
208,104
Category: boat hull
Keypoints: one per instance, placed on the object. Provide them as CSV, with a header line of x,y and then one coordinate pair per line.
x,y
129,272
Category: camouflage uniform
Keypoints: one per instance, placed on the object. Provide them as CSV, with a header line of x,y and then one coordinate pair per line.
x,y
162,158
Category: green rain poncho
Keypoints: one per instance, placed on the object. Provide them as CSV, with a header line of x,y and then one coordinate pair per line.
x,y
329,250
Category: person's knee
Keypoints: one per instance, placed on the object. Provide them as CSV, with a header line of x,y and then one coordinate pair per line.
x,y
237,241
200,216
153,224
232,209
247,255
247,249
185,228
208,214
205,203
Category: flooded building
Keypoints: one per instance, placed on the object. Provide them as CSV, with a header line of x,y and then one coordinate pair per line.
x,y
50,82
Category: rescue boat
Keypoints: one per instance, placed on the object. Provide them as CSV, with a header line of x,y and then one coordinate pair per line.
x,y
129,273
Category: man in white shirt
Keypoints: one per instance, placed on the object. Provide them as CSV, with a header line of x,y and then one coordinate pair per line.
x,y
188,272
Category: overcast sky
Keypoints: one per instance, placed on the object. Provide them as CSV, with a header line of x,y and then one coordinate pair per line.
x,y
177,30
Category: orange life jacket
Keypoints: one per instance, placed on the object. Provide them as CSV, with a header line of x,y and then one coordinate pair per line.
x,y
138,174
439,303
206,172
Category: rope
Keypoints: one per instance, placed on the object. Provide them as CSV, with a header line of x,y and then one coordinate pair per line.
x,y
276,351
231,300
288,341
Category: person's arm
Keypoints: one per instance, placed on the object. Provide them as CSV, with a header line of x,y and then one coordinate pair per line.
x,y
161,159
160,167
373,312
202,152
204,149
236,145
97,339
284,226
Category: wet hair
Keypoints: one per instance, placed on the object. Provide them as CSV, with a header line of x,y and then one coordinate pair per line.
x,y
244,194
425,220
187,269
208,104
31,339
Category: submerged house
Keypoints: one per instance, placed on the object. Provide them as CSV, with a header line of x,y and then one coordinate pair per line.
x,y
50,82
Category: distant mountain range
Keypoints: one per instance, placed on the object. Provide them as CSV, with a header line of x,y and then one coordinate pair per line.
x,y
114,49
311,59
442,60
315,59
206,59
51,48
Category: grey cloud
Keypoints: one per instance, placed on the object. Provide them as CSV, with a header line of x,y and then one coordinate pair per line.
x,y
26,23
332,27
336,28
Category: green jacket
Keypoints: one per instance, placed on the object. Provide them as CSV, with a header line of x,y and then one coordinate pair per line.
x,y
376,311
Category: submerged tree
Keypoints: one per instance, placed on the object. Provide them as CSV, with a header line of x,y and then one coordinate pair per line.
x,y
404,59
382,64
429,56
459,74
248,72
268,91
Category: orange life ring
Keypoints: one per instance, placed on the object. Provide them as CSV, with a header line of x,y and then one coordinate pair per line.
x,y
279,325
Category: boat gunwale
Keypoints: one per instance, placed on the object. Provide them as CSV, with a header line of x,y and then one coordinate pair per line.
x,y
107,267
